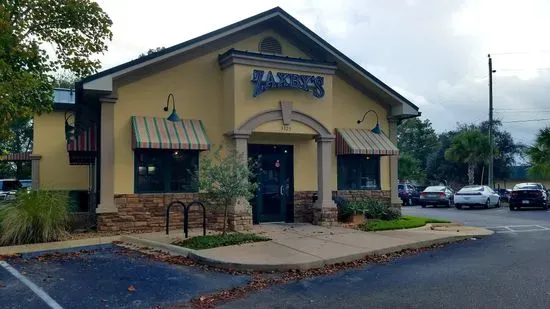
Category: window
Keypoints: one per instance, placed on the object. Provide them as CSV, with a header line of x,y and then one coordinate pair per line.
x,y
270,45
358,172
166,171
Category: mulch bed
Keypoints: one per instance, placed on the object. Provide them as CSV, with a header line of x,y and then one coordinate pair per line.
x,y
259,280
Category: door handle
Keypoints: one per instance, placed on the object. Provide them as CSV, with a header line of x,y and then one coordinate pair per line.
x,y
281,190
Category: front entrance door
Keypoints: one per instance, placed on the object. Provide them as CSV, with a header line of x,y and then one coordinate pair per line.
x,y
273,199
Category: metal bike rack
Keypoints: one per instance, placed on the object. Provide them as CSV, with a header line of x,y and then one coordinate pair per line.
x,y
186,218
168,214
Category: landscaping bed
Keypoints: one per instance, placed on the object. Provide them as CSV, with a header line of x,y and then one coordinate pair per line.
x,y
404,222
213,241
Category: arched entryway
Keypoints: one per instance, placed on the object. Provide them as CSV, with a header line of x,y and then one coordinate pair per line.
x,y
324,211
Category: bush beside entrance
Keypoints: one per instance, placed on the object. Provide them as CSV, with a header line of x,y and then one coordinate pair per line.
x,y
34,217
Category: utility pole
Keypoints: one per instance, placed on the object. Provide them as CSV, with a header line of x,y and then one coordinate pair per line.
x,y
490,181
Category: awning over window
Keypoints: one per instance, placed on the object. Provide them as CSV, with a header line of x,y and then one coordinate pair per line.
x,y
18,156
160,133
363,141
83,148
84,141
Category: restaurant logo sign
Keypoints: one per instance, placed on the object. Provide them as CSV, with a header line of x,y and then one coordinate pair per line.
x,y
265,81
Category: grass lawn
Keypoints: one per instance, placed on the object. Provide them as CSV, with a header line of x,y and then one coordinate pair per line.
x,y
213,241
405,222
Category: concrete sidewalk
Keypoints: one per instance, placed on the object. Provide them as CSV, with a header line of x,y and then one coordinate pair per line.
x,y
305,246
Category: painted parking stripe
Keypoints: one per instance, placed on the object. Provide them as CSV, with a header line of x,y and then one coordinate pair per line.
x,y
38,291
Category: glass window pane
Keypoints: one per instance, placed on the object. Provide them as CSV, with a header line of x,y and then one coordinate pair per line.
x,y
183,169
149,179
358,172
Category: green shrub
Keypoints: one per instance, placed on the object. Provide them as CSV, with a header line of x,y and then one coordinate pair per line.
x,y
35,216
375,209
213,241
344,211
391,214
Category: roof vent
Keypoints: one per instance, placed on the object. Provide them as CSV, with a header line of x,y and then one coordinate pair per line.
x,y
270,45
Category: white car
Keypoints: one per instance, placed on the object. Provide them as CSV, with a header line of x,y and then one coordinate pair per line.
x,y
476,196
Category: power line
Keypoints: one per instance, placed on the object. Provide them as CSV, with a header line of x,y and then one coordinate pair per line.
x,y
520,53
528,120
525,69
523,111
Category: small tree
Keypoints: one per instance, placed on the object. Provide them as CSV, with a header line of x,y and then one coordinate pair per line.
x,y
226,177
539,155
471,147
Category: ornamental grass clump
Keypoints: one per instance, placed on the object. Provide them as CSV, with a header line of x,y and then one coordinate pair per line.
x,y
33,217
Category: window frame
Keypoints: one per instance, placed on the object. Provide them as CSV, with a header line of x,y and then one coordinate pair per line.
x,y
165,170
358,160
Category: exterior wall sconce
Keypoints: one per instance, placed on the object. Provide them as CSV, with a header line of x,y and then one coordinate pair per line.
x,y
173,116
69,129
376,128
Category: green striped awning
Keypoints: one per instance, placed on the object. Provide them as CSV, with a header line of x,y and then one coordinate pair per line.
x,y
160,133
363,141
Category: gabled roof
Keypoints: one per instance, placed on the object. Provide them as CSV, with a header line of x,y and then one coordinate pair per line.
x,y
103,80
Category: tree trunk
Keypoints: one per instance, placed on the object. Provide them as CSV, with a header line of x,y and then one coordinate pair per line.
x,y
471,170
225,218
482,171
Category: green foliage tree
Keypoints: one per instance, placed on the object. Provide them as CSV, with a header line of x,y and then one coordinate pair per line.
x,y
539,155
418,139
471,147
76,31
410,168
225,179
151,51
439,169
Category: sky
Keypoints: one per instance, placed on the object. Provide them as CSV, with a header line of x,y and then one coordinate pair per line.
x,y
433,52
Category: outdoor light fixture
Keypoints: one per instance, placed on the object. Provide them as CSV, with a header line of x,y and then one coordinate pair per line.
x,y
173,116
69,129
376,128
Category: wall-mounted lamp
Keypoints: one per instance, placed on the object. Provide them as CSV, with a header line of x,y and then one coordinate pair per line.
x,y
173,116
376,128
69,129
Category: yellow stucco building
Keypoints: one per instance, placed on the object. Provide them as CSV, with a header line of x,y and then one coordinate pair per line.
x,y
319,124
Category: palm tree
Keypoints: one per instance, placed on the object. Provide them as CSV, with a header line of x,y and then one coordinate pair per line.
x,y
539,154
471,147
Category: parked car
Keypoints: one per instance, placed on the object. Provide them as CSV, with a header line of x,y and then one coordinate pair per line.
x,y
26,183
476,195
529,195
504,194
8,188
408,194
436,195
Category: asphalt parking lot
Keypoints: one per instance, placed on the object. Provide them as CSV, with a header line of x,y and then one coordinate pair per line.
x,y
501,220
104,277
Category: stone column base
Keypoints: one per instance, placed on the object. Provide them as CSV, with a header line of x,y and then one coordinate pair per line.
x,y
325,216
239,222
396,206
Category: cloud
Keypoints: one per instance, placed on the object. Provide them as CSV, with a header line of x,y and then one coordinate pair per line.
x,y
433,52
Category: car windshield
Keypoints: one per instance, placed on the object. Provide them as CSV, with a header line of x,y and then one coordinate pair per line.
x,y
10,185
434,189
528,186
400,187
472,189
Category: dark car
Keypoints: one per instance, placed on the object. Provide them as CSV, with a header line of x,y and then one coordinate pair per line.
x,y
8,188
528,195
437,195
408,194
504,194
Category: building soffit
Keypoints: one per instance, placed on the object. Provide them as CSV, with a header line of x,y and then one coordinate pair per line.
x,y
104,81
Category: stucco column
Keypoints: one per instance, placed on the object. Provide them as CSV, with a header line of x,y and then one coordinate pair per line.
x,y
240,212
394,178
35,171
107,156
324,210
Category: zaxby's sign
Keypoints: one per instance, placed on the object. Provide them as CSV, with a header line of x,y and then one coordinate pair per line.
x,y
266,81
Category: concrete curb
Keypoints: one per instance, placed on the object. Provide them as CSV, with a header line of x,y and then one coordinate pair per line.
x,y
201,258
172,249
323,262
58,245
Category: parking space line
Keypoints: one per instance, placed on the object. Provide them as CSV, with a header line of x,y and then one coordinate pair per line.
x,y
38,291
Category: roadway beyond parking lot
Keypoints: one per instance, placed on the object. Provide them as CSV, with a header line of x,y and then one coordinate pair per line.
x,y
110,277
506,270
